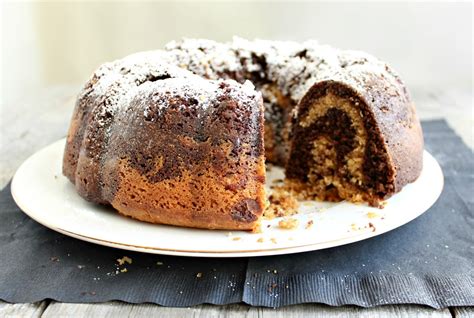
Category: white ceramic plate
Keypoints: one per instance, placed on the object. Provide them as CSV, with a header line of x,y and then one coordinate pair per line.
x,y
42,192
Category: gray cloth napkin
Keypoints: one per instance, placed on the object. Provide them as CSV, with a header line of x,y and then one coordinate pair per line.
x,y
428,261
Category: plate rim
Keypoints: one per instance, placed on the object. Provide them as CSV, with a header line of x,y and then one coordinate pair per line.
x,y
211,254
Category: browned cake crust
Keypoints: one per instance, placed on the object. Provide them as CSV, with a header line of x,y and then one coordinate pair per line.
x,y
169,136
173,149
205,167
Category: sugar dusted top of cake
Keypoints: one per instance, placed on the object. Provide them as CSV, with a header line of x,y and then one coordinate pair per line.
x,y
200,93
185,67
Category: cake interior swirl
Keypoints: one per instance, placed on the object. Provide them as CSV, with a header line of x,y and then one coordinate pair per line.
x,y
181,136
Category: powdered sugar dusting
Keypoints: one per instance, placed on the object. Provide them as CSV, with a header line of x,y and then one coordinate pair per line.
x,y
185,67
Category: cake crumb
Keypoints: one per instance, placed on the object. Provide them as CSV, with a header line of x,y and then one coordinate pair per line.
x,y
288,224
382,204
257,229
282,203
372,227
159,263
123,270
272,287
260,240
372,215
124,260
199,275
237,238
309,224
54,259
273,240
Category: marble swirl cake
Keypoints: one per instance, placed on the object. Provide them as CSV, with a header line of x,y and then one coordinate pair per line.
x,y
180,136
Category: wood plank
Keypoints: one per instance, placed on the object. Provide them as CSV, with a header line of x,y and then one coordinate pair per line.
x,y
463,312
119,309
22,310
324,311
36,121
109,309
204,311
454,105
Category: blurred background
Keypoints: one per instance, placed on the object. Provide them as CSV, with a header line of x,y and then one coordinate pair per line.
x,y
49,49
47,43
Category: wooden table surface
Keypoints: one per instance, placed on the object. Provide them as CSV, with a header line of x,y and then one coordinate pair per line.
x,y
42,117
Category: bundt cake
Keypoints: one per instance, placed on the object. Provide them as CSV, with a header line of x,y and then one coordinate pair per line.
x,y
180,136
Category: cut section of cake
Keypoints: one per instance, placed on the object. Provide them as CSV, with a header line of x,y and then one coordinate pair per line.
x,y
342,150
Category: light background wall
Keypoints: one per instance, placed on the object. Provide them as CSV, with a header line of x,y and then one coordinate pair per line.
x,y
52,43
